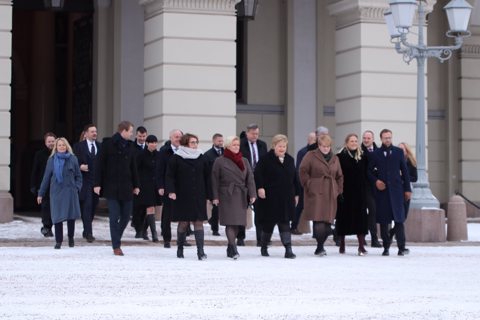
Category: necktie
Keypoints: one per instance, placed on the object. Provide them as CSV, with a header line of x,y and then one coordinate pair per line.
x,y
92,149
219,152
254,155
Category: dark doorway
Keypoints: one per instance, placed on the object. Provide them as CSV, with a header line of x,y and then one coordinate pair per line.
x,y
51,82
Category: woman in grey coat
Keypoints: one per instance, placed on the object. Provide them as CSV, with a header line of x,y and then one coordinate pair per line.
x,y
63,175
233,188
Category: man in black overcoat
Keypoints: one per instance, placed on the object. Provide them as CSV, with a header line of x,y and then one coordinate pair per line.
x,y
39,163
117,178
166,152
212,154
138,212
253,149
368,146
387,171
87,152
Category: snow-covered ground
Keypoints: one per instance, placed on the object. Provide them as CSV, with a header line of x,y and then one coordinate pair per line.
x,y
149,282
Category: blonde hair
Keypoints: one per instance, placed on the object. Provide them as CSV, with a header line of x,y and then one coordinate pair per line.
x,y
358,153
410,155
64,140
229,140
279,138
325,140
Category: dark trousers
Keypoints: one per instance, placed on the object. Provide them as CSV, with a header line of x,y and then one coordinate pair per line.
x,y
59,230
398,230
88,207
119,214
138,215
269,226
372,216
258,228
166,222
298,212
46,216
213,221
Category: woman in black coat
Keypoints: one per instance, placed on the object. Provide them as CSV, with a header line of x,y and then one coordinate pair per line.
x,y
149,197
352,215
278,190
187,183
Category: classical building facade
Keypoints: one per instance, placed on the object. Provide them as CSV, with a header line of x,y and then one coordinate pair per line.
x,y
193,65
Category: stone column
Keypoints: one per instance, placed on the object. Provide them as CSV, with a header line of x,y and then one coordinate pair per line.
x,y
302,70
375,88
189,68
6,200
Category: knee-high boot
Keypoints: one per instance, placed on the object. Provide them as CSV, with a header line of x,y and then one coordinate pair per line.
x,y
264,238
342,244
180,242
286,238
199,239
361,248
153,228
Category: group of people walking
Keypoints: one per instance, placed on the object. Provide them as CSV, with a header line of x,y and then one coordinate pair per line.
x,y
353,190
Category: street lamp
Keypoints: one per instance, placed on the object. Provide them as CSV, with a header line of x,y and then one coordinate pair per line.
x,y
399,20
246,9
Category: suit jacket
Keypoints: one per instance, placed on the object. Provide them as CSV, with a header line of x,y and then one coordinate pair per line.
x,y
245,150
84,156
212,155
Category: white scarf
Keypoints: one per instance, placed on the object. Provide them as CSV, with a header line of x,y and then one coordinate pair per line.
x,y
189,153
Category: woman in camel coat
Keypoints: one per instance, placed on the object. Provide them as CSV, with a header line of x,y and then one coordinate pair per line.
x,y
322,180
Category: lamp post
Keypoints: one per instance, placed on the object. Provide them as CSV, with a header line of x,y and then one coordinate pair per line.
x,y
246,9
399,20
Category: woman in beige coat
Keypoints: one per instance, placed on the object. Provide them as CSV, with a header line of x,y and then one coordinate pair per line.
x,y
233,187
322,180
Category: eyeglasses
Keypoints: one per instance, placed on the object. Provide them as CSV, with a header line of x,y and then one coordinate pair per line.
x,y
193,142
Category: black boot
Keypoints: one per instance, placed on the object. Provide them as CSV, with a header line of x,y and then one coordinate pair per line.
x,y
180,241
264,238
71,242
153,228
375,243
286,238
199,239
230,251
145,230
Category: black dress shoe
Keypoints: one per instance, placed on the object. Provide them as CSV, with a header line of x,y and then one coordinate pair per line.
x,y
49,233
215,233
58,245
240,243
376,244
166,244
385,252
403,252
90,238
139,235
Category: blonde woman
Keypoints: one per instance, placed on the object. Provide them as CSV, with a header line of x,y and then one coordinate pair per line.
x,y
412,168
63,177
352,215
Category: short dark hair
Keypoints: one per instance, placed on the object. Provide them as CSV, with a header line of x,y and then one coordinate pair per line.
x,y
384,131
186,138
252,126
124,126
217,135
49,134
88,126
142,129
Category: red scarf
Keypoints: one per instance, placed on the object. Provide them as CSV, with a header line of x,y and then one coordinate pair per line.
x,y
235,157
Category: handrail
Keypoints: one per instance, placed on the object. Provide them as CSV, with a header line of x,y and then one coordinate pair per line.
x,y
458,193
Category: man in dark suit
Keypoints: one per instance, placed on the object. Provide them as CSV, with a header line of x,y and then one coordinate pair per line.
x,y
166,152
86,152
253,149
138,212
368,146
212,154
117,178
387,171
39,163
311,139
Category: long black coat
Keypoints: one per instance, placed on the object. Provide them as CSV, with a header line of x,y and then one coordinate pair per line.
x,y
389,166
281,186
116,170
189,179
38,169
85,157
147,163
352,215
